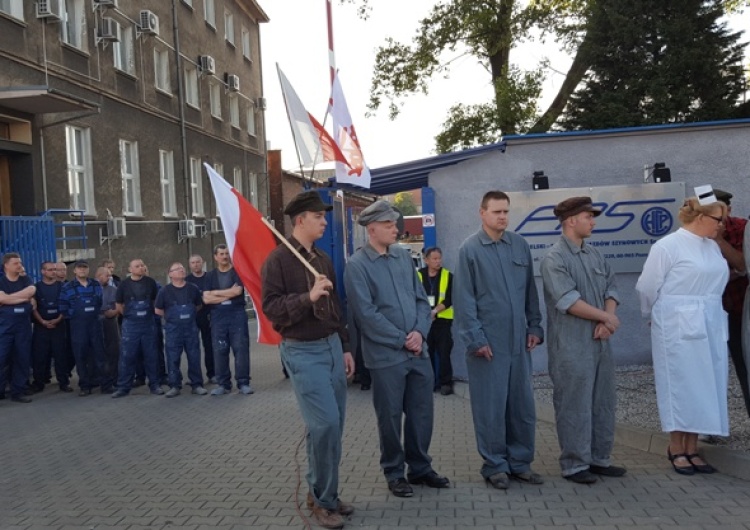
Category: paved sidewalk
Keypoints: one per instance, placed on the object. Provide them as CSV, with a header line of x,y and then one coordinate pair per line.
x,y
220,463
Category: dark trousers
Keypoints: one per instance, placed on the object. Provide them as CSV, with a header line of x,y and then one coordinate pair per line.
x,y
87,339
137,339
735,350
48,344
140,367
15,349
229,330
440,345
111,329
204,326
362,373
183,337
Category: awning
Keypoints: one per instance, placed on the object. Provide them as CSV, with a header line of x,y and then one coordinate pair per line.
x,y
42,100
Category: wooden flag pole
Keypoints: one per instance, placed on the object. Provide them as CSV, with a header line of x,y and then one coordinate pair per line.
x,y
290,247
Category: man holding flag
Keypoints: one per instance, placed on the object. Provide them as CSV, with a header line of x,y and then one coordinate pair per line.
x,y
305,309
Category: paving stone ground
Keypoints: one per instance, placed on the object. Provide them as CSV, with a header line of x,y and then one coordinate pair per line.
x,y
228,462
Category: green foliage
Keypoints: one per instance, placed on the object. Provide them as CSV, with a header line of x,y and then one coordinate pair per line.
x,y
405,203
657,61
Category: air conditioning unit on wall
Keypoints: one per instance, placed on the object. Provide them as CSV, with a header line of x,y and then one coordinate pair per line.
x,y
105,3
149,22
116,228
213,226
233,82
207,64
109,30
187,229
260,103
49,9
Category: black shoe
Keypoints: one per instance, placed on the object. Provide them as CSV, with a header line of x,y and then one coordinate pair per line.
x,y
65,388
21,399
582,477
365,387
400,488
431,480
609,471
119,393
446,390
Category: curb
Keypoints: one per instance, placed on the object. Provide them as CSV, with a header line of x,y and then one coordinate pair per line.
x,y
728,461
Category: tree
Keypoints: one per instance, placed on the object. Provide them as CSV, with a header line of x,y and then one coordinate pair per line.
x,y
405,203
487,30
657,61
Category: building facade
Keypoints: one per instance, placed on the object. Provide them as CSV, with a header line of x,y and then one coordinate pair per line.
x,y
108,110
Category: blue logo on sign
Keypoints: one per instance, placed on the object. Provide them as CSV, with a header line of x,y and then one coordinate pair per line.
x,y
656,221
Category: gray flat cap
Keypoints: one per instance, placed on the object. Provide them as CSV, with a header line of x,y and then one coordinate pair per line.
x,y
377,211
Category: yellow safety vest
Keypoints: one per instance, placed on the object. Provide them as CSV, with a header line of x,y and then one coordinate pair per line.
x,y
442,288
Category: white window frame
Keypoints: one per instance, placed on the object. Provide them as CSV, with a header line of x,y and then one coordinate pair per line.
x,y
73,28
131,178
252,192
234,111
237,179
229,26
124,52
166,175
14,8
80,169
196,187
219,168
246,48
209,12
162,78
251,127
215,99
192,96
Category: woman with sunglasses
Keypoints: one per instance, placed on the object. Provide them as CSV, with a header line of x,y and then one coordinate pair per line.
x,y
680,289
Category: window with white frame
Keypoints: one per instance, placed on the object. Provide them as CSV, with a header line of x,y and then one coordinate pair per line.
x,y
131,181
219,168
123,51
251,120
196,188
215,97
191,86
209,12
166,173
229,27
73,23
80,169
238,179
161,70
252,181
234,110
246,43
13,8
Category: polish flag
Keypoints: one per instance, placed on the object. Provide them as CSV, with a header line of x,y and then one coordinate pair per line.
x,y
313,142
354,170
249,242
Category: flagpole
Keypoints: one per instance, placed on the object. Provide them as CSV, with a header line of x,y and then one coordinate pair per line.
x,y
331,55
290,247
291,127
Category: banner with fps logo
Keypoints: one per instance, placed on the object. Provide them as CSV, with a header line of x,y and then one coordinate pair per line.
x,y
633,218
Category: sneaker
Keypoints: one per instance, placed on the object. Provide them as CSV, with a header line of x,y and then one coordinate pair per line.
x,y
219,391
157,391
246,389
199,390
173,392
119,393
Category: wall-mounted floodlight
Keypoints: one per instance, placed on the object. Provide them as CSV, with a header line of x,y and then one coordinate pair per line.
x,y
659,171
539,181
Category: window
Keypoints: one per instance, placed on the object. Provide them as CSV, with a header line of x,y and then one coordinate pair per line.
x,y
123,51
161,67
252,179
80,169
131,181
219,168
238,179
251,120
73,23
196,188
234,110
215,97
12,7
191,86
209,12
229,27
166,172
246,43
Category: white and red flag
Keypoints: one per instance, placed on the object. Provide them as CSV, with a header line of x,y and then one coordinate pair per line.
x,y
353,170
313,142
249,241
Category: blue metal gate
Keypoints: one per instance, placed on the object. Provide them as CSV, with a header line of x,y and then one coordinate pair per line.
x,y
31,237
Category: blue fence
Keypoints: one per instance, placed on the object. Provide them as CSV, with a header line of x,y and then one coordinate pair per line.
x,y
31,237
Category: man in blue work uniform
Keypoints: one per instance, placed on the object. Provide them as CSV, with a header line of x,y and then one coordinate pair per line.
x,y
226,296
49,337
392,313
135,301
178,302
198,278
80,302
110,325
16,293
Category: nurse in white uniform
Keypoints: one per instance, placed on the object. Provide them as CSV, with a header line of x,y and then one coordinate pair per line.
x,y
680,290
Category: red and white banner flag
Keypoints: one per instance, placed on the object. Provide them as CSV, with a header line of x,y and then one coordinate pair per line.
x,y
355,170
313,142
249,242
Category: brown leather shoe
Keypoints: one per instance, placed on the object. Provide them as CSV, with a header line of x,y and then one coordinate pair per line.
x,y
343,508
327,518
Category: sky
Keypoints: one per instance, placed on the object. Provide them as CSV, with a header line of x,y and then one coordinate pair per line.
x,y
296,39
